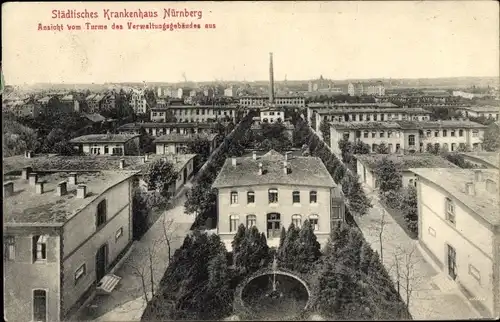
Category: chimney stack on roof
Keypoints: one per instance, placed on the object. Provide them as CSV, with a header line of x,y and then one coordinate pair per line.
x,y
39,187
28,154
285,167
81,191
8,189
260,168
470,188
62,188
478,176
122,163
73,180
33,179
233,161
26,173
254,155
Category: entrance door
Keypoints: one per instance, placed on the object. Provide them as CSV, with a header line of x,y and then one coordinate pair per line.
x,y
185,174
101,262
273,225
452,262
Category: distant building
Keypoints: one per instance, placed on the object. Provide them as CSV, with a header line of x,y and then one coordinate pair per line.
x,y
358,89
107,144
367,163
490,160
94,103
22,109
160,128
208,92
183,92
410,136
470,95
259,101
198,113
478,111
62,236
272,191
230,91
320,84
459,230
69,103
138,102
175,143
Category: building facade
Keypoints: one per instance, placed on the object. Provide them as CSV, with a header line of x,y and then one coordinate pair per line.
x,y
174,143
138,102
159,129
272,191
458,230
260,101
410,136
107,144
490,112
53,258
358,89
198,113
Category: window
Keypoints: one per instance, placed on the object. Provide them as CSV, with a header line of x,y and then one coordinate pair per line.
x,y
428,133
10,248
273,195
398,147
234,197
80,272
296,196
297,220
374,117
450,210
313,219
336,212
106,149
475,133
382,134
39,305
436,134
389,134
411,181
119,233
313,197
460,132
118,151
452,133
233,223
453,146
445,133
250,197
39,245
411,140
374,134
101,214
251,221
365,134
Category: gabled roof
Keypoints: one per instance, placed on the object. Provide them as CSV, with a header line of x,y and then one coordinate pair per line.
x,y
179,138
104,138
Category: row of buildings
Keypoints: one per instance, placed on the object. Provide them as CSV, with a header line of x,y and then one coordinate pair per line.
x,y
327,87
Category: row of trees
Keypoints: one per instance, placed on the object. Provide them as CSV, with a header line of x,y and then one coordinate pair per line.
x,y
270,136
357,201
393,194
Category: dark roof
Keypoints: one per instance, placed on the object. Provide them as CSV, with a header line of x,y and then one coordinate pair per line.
x,y
51,162
177,137
95,117
25,206
304,171
355,105
492,158
413,110
228,106
112,138
408,125
406,161
134,126
453,181
484,109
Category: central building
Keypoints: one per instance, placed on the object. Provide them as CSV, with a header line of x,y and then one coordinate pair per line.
x,y
272,191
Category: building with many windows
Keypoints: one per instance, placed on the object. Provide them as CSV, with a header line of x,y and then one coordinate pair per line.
x,y
177,143
459,230
410,136
491,112
107,144
366,165
260,101
358,89
159,129
138,102
62,236
197,113
272,191
312,108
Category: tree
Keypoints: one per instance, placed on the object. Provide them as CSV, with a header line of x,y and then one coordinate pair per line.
x,y
159,175
458,160
382,149
339,173
381,227
359,203
251,252
390,179
201,198
325,131
409,207
288,251
491,138
201,146
308,248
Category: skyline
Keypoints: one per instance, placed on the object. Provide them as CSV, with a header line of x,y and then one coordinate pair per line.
x,y
438,40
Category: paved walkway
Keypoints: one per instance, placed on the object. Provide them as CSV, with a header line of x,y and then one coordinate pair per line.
x,y
126,302
433,296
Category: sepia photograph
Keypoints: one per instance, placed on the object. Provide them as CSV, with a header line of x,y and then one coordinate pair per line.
x,y
251,160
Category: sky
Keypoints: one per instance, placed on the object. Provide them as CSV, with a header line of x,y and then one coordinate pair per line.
x,y
339,40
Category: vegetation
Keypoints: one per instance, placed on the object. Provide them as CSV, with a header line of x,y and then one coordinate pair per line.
x,y
390,182
145,204
491,139
458,160
160,175
409,207
325,131
348,149
200,146
250,250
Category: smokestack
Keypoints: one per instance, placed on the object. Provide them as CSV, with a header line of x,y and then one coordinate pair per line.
x,y
33,179
271,79
39,187
81,191
73,178
62,188
8,189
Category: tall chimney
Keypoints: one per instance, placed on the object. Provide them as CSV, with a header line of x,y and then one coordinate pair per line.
x,y
478,176
470,189
271,79
81,191
26,172
33,179
8,189
260,168
39,187
73,178
62,188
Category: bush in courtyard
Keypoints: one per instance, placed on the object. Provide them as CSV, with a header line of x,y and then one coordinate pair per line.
x,y
250,250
